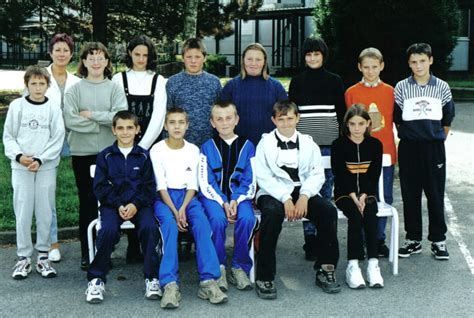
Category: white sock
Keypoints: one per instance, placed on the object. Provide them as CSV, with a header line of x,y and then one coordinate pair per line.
x,y
373,262
353,262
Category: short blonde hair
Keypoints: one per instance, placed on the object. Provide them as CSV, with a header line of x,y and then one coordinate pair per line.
x,y
258,47
372,53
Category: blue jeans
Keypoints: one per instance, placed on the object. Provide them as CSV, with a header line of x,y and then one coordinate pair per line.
x,y
388,173
326,192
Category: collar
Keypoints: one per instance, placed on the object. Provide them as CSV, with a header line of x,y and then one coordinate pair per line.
x,y
115,148
431,81
367,84
293,138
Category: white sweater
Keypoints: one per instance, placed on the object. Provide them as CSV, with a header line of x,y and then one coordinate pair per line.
x,y
139,83
34,130
275,181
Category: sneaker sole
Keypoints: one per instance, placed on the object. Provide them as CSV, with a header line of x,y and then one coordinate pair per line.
x,y
94,301
408,255
169,306
153,297
233,282
19,277
266,296
329,290
214,302
361,286
376,285
440,258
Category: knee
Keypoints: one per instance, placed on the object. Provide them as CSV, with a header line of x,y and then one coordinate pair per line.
x,y
246,221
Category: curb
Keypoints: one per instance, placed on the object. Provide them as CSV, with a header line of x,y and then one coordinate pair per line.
x,y
67,233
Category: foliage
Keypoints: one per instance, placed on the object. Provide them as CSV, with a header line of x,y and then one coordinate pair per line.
x,y
348,26
215,64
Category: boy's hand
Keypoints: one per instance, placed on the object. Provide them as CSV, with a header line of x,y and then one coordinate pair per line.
x,y
122,212
289,210
181,221
228,213
26,160
34,166
130,211
301,207
233,210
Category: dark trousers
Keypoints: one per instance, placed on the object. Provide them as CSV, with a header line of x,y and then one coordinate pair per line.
x,y
87,200
109,235
423,168
320,212
356,223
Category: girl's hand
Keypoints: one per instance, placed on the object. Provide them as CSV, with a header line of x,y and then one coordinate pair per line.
x,y
181,221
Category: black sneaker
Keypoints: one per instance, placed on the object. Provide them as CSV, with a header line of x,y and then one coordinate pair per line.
x,y
408,248
383,250
266,289
326,279
439,250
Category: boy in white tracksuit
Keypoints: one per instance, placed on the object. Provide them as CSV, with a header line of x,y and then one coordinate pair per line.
x,y
33,137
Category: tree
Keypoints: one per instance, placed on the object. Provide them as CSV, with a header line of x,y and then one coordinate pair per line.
x,y
349,26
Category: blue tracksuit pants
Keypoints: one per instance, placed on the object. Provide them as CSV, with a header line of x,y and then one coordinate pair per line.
x,y
109,235
207,262
243,231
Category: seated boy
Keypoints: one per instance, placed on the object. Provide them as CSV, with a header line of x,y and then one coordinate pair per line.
x,y
290,175
125,187
175,163
228,185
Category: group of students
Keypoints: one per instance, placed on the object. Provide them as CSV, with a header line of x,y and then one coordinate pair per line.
x,y
167,185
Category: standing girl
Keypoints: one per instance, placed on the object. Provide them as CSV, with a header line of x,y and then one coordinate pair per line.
x,y
146,98
254,93
61,48
356,161
145,90
89,107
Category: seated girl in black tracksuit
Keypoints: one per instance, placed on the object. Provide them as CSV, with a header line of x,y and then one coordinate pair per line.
x,y
356,161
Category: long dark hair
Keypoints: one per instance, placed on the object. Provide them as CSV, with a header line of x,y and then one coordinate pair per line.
x,y
356,110
152,56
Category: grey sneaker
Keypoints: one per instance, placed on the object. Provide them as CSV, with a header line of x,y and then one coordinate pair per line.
x,y
266,289
222,281
326,279
95,291
22,268
43,267
171,296
209,290
239,278
152,289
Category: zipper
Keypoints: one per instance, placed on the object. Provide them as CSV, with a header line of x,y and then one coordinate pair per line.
x,y
358,159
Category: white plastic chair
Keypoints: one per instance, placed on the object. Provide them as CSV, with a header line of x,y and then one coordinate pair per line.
x,y
127,225
385,210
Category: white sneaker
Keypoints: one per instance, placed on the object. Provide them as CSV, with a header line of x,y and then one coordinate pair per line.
x,y
94,291
373,275
222,281
153,290
43,267
22,268
54,255
354,277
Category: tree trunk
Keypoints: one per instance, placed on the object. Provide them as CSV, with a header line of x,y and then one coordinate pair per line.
x,y
190,19
99,20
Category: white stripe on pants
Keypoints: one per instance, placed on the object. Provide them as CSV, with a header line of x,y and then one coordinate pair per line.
x,y
33,191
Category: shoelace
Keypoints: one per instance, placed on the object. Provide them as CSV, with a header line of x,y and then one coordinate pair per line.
x,y
94,289
408,243
154,284
46,264
330,276
441,246
20,265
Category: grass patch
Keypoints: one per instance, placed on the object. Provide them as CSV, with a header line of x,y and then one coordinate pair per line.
x,y
67,203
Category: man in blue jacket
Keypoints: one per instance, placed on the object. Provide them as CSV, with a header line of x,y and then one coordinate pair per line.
x,y
227,187
125,186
